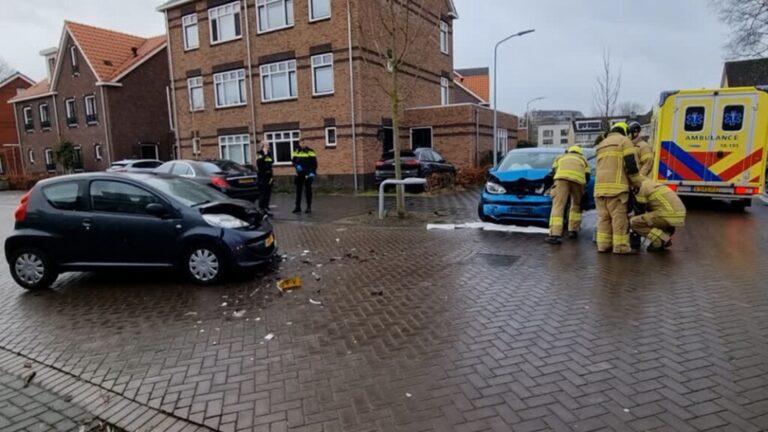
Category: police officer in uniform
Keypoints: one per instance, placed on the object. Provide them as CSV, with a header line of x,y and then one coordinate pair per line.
x,y
305,163
571,174
264,163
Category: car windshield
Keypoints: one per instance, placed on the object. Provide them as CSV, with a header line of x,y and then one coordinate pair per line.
x,y
187,191
226,166
528,160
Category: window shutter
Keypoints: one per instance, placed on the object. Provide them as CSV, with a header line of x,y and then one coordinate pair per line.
x,y
215,30
237,24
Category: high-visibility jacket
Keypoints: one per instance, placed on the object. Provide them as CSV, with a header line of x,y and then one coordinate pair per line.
x,y
572,167
661,201
610,178
644,157
304,160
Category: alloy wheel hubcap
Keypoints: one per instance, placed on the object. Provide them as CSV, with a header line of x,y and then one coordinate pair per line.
x,y
203,265
30,268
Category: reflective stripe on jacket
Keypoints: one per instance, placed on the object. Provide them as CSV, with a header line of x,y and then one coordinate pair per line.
x,y
610,178
572,167
305,158
662,201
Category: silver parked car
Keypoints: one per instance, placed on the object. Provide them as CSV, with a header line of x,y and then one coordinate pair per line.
x,y
135,165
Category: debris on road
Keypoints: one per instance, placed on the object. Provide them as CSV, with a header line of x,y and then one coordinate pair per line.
x,y
316,276
254,292
378,293
28,379
224,304
315,302
190,314
289,284
269,337
239,313
408,395
486,226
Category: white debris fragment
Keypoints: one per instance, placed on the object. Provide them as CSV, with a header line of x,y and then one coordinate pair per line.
x,y
239,313
257,319
269,337
190,314
338,240
224,304
254,292
408,395
202,330
315,302
289,323
485,226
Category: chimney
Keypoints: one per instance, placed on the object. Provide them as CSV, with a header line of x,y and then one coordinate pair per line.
x,y
135,51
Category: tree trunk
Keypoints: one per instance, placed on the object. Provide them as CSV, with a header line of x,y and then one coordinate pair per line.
x,y
395,104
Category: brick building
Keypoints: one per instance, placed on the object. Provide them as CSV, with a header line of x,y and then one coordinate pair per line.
x,y
283,71
10,155
106,92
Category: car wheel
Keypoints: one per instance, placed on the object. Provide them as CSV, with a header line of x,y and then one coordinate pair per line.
x,y
32,269
204,264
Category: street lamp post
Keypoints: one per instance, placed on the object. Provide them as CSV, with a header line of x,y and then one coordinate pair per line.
x,y
528,115
495,92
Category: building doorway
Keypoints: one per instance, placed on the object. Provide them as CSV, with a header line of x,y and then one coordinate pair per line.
x,y
149,151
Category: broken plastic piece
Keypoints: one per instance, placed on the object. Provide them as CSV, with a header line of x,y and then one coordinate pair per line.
x,y
224,304
190,314
239,313
315,302
289,284
269,337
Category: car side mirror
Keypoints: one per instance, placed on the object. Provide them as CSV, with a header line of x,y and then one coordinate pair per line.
x,y
156,209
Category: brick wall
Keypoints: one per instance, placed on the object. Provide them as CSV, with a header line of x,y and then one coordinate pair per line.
x,y
138,111
37,139
7,125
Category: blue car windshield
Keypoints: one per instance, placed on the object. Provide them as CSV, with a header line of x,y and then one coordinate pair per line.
x,y
528,160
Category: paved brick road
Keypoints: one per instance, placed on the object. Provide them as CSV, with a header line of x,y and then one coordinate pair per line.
x,y
420,331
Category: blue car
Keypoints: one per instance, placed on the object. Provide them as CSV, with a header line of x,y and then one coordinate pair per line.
x,y
515,190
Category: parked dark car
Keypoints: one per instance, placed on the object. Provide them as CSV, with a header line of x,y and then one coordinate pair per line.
x,y
230,178
87,222
414,163
134,165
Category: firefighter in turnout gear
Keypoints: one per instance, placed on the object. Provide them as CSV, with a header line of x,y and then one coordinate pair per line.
x,y
571,174
265,177
664,212
644,150
305,163
612,190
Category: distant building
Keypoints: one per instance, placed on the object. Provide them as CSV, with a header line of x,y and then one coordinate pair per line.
x,y
106,93
10,154
745,73
555,121
553,134
584,131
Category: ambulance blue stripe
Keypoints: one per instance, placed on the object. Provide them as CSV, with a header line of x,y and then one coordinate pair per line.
x,y
689,161
670,175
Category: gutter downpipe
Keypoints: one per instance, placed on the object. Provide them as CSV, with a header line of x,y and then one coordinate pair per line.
x,y
352,97
173,114
477,138
110,152
255,146
18,138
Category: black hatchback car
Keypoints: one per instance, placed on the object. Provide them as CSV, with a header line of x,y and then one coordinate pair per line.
x,y
87,222
227,177
417,163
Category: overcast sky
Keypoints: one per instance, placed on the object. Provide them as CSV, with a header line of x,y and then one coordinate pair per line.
x,y
659,44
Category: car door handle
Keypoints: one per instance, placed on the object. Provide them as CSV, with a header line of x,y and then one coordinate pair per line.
x,y
87,223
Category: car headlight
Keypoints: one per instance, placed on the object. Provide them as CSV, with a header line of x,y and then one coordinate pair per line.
x,y
495,188
224,221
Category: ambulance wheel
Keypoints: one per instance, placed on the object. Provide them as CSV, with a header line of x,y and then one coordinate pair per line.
x,y
741,205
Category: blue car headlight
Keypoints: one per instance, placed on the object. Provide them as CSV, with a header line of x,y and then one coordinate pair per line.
x,y
495,188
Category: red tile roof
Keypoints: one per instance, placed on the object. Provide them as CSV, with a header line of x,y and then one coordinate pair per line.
x,y
110,53
38,89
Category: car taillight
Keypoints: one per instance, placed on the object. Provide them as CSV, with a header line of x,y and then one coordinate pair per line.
x,y
741,190
220,182
21,211
412,162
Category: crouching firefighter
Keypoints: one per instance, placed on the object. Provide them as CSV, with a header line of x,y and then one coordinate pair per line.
x,y
664,212
571,174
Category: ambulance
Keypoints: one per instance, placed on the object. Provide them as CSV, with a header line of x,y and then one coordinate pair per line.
x,y
712,143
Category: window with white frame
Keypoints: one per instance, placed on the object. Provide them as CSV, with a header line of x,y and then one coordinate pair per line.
x,y
45,117
31,156
274,14
90,109
278,81
229,88
322,74
235,148
71,109
319,9
225,22
330,136
73,57
445,91
28,122
97,152
191,34
50,161
196,95
444,45
283,145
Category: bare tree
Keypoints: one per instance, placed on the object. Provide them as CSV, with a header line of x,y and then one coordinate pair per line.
x,y
5,69
748,20
607,87
392,29
630,108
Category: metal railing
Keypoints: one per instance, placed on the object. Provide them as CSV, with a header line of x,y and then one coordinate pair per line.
x,y
404,182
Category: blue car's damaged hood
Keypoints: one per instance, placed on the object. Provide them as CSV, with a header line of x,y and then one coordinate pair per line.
x,y
514,175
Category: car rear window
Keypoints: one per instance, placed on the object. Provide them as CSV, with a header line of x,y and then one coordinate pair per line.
x,y
147,164
403,154
63,196
210,168
231,167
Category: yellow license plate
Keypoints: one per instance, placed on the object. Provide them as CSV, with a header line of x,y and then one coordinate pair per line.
x,y
246,181
270,240
706,189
